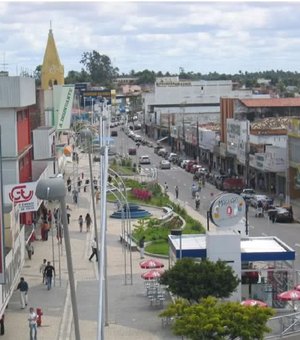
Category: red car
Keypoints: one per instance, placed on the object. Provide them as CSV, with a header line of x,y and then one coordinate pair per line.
x,y
195,168
189,165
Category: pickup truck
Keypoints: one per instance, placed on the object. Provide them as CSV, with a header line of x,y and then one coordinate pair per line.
x,y
230,184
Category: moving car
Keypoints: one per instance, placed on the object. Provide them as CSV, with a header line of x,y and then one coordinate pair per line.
x,y
281,214
114,133
164,164
144,160
132,151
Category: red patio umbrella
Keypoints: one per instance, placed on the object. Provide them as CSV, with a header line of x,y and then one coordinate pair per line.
x,y
151,263
289,295
252,302
152,274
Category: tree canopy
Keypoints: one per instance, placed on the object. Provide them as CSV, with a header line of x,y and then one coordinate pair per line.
x,y
195,280
99,68
213,319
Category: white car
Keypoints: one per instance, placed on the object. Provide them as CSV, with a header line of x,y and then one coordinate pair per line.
x,y
183,163
144,160
164,164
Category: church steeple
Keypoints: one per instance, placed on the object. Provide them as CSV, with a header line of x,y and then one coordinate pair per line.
x,y
52,69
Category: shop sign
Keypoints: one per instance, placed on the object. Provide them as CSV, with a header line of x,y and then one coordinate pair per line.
x,y
227,210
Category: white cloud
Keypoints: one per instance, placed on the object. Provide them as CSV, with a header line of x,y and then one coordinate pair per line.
x,y
201,36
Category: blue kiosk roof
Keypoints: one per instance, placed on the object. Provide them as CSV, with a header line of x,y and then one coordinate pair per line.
x,y
268,248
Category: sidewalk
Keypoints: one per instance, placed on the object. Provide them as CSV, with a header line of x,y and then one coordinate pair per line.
x,y
130,315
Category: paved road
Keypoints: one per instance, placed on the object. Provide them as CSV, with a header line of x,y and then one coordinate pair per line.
x,y
287,232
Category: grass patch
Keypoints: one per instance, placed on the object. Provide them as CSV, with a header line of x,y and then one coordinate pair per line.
x,y
122,170
159,247
154,230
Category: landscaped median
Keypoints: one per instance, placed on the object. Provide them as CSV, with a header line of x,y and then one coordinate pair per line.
x,y
156,230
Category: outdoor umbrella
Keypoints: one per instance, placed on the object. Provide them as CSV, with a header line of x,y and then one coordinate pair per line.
x,y
252,302
151,263
289,295
152,274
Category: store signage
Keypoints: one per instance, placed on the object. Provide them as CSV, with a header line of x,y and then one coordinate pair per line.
x,y
22,194
227,210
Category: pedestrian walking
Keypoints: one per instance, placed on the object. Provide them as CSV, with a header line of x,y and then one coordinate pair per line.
x,y
30,249
68,213
88,222
94,250
142,247
49,273
69,182
49,216
32,319
23,288
80,222
95,184
176,191
75,196
86,184
42,270
79,181
59,231
166,188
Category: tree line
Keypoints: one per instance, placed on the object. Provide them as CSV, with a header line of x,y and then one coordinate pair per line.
x,y
98,69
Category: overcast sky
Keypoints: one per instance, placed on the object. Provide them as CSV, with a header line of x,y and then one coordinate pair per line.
x,y
162,36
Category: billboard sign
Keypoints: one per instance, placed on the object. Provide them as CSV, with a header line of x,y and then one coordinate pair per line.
x,y
227,210
65,107
22,194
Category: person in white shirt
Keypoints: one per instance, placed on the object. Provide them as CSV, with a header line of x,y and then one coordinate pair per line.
x,y
94,250
32,319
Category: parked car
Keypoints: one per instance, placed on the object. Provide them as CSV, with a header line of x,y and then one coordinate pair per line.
x,y
195,168
157,148
281,214
164,164
247,194
189,165
266,201
132,151
144,160
162,152
172,157
184,163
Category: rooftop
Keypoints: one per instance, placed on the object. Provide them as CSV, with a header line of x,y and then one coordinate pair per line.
x,y
271,102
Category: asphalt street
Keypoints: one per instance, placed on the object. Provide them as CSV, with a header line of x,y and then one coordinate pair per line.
x,y
287,232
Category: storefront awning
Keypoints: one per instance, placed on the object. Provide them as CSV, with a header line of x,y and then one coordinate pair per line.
x,y
162,139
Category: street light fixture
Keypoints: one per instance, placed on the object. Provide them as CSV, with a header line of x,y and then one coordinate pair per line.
x,y
53,189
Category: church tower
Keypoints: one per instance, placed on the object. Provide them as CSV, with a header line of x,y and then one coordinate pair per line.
x,y
52,69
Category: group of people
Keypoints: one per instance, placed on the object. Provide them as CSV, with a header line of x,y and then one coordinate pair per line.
x,y
48,271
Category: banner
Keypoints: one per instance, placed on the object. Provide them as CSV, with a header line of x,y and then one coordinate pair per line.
x,y
22,194
65,107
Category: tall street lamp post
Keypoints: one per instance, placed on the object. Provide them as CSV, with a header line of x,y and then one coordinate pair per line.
x,y
53,189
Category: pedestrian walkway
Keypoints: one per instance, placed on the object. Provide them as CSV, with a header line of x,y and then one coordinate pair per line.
x,y
129,313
